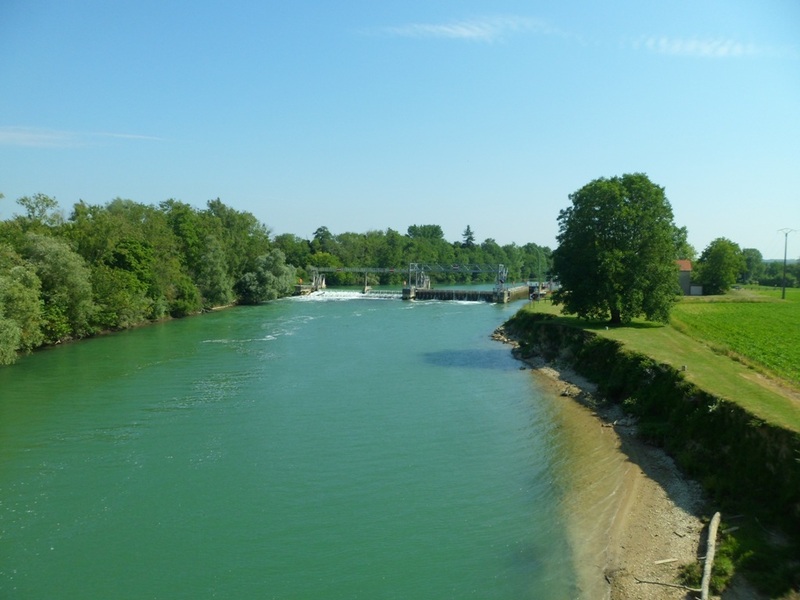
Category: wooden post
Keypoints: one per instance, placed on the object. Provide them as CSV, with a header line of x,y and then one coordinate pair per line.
x,y
711,548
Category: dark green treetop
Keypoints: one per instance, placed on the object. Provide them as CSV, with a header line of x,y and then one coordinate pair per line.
x,y
617,249
721,265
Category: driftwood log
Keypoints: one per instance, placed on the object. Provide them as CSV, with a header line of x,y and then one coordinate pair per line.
x,y
711,548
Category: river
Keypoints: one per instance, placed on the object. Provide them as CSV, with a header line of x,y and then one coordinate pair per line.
x,y
330,446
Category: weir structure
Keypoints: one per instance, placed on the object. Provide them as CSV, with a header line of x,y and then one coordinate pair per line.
x,y
418,284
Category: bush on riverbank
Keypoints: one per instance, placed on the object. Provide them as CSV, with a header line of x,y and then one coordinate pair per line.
x,y
745,464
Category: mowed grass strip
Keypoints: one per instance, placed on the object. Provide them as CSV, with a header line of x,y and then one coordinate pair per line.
x,y
765,335
754,327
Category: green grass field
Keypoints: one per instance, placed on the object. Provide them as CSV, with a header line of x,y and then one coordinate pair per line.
x,y
757,328
744,346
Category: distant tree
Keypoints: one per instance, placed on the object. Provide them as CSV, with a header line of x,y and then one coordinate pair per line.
x,y
323,241
121,299
19,298
754,265
66,287
427,232
683,249
352,249
184,297
242,236
270,279
616,253
296,249
393,253
190,228
213,280
513,261
9,340
469,238
773,274
536,261
720,266
492,252
41,211
793,274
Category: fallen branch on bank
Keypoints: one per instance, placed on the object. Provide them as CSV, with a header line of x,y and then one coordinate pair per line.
x,y
672,585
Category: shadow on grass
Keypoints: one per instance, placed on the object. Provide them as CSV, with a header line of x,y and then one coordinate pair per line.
x,y
603,325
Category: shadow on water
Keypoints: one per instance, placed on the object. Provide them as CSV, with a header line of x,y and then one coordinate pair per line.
x,y
472,358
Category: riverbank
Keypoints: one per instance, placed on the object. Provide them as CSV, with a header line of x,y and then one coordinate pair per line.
x,y
635,520
653,519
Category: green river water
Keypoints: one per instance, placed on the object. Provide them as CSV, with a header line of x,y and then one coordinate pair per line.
x,y
326,447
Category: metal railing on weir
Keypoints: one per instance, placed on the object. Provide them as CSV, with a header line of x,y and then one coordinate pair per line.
x,y
418,273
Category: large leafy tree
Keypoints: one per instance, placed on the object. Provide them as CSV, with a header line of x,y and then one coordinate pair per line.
x,y
720,266
616,253
242,237
213,280
754,265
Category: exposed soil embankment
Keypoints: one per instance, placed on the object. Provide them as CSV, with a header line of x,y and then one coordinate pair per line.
x,y
745,466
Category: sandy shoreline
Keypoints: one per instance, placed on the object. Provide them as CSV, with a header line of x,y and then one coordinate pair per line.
x,y
652,524
638,518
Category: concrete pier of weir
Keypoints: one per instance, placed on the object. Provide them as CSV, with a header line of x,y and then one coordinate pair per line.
x,y
502,296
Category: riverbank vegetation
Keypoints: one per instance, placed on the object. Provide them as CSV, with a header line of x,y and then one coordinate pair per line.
x,y
713,389
424,244
123,264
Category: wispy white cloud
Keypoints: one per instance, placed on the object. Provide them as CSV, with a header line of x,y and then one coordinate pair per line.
x,y
484,29
706,47
32,137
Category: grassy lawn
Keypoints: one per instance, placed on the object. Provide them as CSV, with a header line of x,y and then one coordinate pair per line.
x,y
760,329
744,346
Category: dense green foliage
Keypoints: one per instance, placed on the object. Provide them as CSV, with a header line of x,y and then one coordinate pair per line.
x,y
617,250
421,244
777,274
721,265
754,267
123,264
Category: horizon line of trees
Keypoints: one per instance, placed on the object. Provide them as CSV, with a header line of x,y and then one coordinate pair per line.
x,y
119,265
723,264
420,244
122,264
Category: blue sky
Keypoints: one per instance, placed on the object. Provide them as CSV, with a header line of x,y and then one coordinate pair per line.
x,y
362,115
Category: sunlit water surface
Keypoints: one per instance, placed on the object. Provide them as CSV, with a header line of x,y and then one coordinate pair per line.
x,y
322,447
